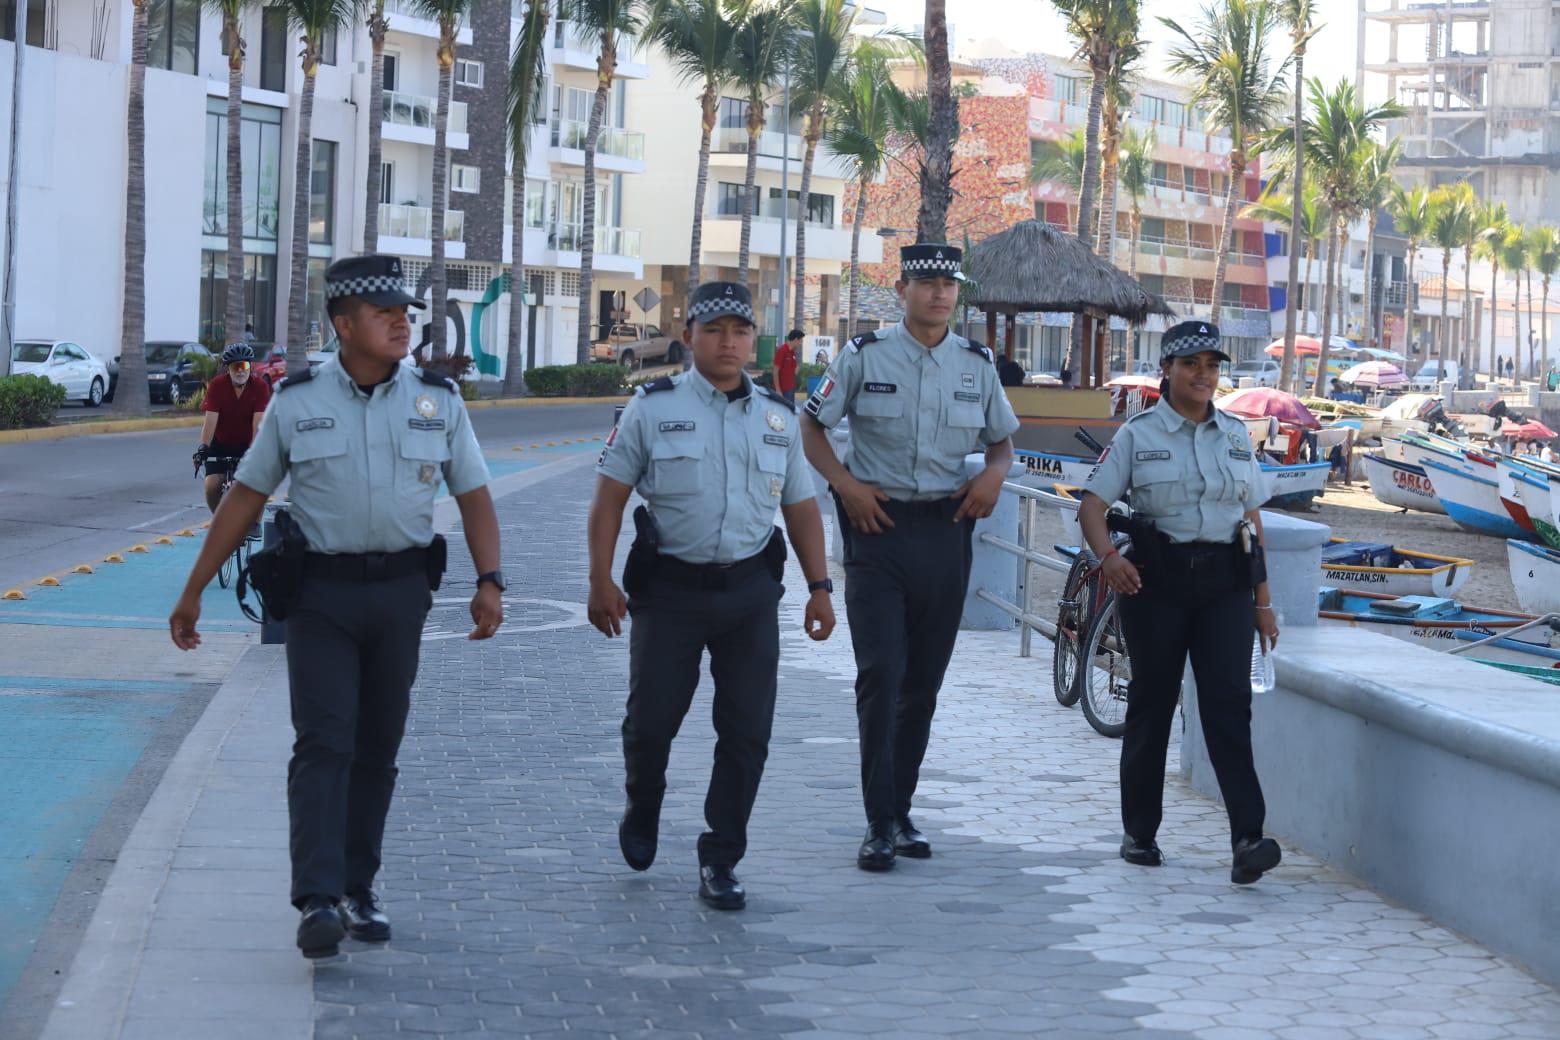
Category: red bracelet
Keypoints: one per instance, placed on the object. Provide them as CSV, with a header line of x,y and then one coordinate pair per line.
x,y
1113,552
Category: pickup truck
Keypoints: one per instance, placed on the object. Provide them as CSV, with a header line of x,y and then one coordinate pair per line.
x,y
631,345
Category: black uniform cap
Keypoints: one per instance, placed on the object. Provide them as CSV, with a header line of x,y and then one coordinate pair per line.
x,y
1190,337
931,260
375,278
717,299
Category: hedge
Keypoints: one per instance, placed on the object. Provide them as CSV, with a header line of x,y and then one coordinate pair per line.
x,y
28,400
576,381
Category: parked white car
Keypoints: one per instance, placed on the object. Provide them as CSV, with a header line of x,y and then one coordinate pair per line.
x,y
1263,370
83,376
1430,376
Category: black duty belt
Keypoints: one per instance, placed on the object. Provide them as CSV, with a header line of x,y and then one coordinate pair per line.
x,y
1196,556
925,507
707,575
366,566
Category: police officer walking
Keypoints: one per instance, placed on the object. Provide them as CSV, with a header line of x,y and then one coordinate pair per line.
x,y
920,399
713,455
1194,585
366,441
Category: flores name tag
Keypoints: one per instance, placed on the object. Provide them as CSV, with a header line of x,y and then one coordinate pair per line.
x,y
881,388
966,395
777,440
1151,456
677,426
305,425
426,424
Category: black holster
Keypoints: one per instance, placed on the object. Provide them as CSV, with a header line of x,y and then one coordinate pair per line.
x,y
276,572
775,555
437,561
1252,555
639,568
1147,543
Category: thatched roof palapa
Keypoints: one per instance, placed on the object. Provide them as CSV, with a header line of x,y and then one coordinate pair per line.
x,y
1033,267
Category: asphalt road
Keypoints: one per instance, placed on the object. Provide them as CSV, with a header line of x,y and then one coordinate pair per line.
x,y
74,500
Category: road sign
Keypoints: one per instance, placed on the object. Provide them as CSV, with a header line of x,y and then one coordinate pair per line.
x,y
646,298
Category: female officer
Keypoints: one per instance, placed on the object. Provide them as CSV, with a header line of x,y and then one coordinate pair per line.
x,y
1191,472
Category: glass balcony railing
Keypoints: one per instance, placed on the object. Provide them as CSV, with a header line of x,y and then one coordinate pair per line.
x,y
770,142
417,110
417,222
624,144
610,241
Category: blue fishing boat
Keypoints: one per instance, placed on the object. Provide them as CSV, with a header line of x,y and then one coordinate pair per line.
x,y
1438,623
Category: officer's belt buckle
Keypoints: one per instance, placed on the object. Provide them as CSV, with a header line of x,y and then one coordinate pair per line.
x,y
375,566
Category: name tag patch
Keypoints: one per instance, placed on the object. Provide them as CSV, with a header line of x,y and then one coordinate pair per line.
x,y
881,388
1244,456
305,425
777,440
966,395
677,426
426,424
1151,456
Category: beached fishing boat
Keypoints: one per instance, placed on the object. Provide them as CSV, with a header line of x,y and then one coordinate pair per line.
x,y
1535,575
1438,623
1402,485
1534,485
1294,487
1381,568
1472,500
1072,470
1514,482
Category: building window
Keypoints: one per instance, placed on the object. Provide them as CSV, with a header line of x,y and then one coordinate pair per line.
x,y
316,324
260,184
328,46
322,192
172,34
1067,89
37,20
733,114
273,49
392,67
465,178
729,200
259,296
820,208
535,203
468,73
386,181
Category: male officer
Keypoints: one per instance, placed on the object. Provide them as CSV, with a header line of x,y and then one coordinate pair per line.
x,y
366,441
919,400
712,454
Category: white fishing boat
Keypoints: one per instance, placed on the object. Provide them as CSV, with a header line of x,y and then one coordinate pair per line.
x,y
1385,569
1294,487
1437,623
1535,575
1400,484
1514,483
1072,470
1473,500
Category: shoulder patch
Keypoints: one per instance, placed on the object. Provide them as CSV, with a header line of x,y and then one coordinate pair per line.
x,y
434,379
294,380
779,398
862,340
977,348
657,385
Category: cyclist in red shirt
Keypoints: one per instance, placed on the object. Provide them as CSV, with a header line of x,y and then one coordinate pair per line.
x,y
234,404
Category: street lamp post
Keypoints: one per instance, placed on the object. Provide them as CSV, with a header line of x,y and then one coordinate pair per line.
x,y
785,190
8,288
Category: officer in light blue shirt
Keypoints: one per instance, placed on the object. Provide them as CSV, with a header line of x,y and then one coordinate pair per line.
x,y
714,456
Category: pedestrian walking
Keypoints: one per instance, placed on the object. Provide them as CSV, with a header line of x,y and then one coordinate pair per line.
x,y
786,357
920,398
1193,585
1010,372
713,455
365,441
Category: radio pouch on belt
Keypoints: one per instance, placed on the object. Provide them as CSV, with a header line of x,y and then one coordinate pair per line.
x,y
437,560
640,566
276,572
774,554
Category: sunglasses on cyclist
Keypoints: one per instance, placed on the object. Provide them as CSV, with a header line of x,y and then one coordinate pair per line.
x,y
239,366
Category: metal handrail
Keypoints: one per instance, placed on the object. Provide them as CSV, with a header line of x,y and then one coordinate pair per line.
x,y
1547,619
1030,499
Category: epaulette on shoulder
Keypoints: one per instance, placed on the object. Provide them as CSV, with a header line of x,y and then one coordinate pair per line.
x,y
978,348
434,379
295,379
657,385
778,397
862,340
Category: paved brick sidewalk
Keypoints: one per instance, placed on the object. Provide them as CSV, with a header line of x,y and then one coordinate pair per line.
x,y
516,917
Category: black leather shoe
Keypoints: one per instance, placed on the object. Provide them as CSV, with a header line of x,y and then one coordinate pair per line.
x,y
1142,853
877,850
638,832
321,930
366,921
719,887
910,842
1253,858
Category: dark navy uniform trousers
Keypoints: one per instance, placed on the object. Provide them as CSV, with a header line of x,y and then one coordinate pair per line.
x,y
352,651
904,596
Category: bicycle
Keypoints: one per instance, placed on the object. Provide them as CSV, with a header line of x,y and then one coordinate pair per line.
x,y
235,564
1074,613
1091,662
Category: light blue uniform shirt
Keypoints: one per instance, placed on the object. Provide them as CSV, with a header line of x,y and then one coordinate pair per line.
x,y
915,411
711,470
365,470
1194,480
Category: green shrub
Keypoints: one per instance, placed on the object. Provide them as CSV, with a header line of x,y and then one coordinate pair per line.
x,y
806,372
205,366
28,401
194,402
576,381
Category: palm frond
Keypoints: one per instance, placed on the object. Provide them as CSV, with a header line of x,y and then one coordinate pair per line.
x,y
527,80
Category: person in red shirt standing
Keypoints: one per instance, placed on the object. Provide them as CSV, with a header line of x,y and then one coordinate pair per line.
x,y
234,404
785,363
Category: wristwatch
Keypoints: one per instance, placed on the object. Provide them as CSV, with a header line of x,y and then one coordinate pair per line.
x,y
496,578
827,585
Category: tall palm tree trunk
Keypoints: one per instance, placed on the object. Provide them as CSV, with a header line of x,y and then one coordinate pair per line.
x,y
1108,202
1286,367
1543,328
233,312
708,102
1227,233
1494,306
1090,188
855,256
814,131
1137,235
931,224
132,333
1410,298
1466,356
1367,301
755,127
1532,327
514,370
438,273
1328,293
298,283
377,28
1440,332
605,66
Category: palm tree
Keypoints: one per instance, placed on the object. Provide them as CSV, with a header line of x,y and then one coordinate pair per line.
x,y
378,27
608,21
1297,14
1546,260
1410,210
1118,98
1375,187
232,13
1494,226
1137,169
1453,221
526,92
1064,161
1315,220
823,58
1514,258
696,36
312,19
759,53
1099,28
1229,62
1533,239
864,105
132,331
942,129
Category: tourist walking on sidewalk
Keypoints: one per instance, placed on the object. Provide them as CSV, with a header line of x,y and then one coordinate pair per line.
x,y
366,441
786,357
920,399
1194,585
713,455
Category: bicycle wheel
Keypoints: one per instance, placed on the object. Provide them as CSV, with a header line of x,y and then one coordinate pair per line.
x,y
1072,622
1107,670
227,571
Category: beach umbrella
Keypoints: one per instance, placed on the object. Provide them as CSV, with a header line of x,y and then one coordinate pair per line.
x,y
1305,346
1374,373
1136,382
1532,430
1258,401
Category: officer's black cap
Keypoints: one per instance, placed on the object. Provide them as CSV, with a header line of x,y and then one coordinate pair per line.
x,y
1191,337
718,299
374,278
931,260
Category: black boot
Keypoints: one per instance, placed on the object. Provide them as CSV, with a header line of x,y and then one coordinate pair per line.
x,y
910,842
638,833
1253,858
366,921
1141,853
719,887
320,930
877,848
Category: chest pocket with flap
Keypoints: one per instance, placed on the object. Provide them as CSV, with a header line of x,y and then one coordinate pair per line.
x,y
674,465
962,423
1158,487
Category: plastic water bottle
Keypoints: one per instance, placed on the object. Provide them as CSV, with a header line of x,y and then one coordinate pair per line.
x,y
1262,680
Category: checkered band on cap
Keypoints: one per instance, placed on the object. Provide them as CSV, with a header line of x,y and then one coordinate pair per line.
x,y
1192,344
932,266
362,286
717,306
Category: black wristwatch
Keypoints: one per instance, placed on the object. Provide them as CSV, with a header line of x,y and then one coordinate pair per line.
x,y
827,585
496,578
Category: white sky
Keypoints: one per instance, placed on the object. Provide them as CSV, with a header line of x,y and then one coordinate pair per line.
x,y
1034,25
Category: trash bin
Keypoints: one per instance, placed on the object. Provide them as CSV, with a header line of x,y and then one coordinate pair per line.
x,y
766,351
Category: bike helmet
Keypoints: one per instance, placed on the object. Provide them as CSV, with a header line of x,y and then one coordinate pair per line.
x,y
238,352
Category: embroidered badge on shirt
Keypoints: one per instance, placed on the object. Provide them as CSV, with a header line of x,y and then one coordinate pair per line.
x,y
776,485
677,426
428,473
775,420
1151,456
966,378
1244,456
881,388
777,440
425,406
966,395
426,424
1236,440
305,425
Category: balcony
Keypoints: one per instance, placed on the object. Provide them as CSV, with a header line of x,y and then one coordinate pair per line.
x,y
410,230
574,50
411,118
825,241
610,241
404,17
618,150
